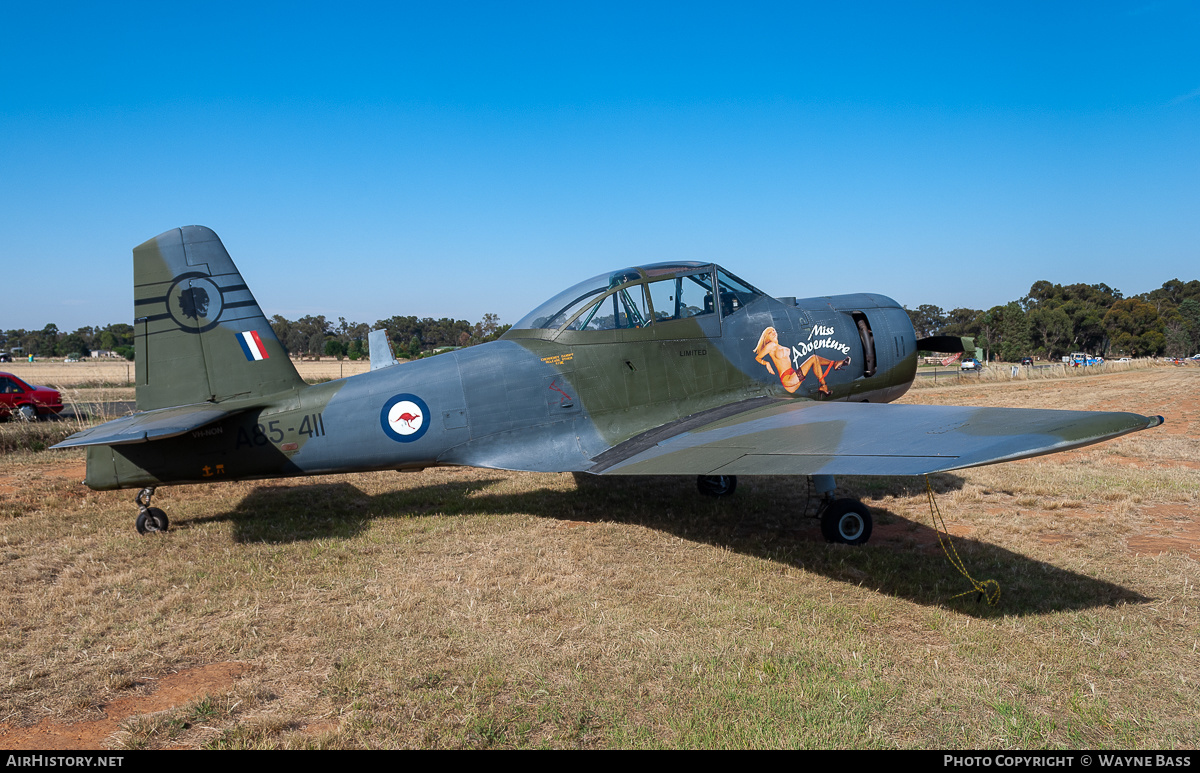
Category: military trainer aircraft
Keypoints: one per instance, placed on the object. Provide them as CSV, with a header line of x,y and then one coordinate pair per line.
x,y
663,369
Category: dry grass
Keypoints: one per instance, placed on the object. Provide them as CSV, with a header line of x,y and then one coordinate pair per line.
x,y
471,608
118,373
87,373
90,388
1007,372
83,407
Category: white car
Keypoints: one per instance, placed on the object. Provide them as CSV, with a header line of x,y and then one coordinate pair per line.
x,y
971,364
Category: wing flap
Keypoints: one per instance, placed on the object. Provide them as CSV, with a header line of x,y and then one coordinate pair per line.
x,y
816,464
149,425
811,438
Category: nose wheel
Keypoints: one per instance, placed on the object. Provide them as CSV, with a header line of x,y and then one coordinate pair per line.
x,y
150,519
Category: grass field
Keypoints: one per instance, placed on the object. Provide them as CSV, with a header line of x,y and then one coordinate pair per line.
x,y
473,608
120,373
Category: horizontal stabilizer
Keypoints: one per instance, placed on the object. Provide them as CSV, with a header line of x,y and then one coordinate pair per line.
x,y
946,344
812,438
149,425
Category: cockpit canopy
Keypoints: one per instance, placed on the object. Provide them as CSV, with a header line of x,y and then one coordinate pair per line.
x,y
641,296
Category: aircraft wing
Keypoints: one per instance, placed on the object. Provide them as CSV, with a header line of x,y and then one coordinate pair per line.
x,y
819,438
149,425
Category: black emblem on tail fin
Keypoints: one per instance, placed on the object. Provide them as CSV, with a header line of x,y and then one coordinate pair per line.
x,y
194,302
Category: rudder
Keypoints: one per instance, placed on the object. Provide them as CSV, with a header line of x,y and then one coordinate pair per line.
x,y
200,335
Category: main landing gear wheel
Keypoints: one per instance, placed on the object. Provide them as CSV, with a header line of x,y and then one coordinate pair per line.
x,y
847,521
716,485
150,519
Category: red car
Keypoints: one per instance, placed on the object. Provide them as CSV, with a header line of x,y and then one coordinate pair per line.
x,y
29,401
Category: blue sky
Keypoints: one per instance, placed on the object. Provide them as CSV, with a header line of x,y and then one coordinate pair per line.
x,y
363,160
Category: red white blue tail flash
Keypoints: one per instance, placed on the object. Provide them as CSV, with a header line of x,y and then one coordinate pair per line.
x,y
252,345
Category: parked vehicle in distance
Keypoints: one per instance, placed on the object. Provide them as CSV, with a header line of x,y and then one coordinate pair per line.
x,y
5,357
29,401
1083,359
971,363
1027,361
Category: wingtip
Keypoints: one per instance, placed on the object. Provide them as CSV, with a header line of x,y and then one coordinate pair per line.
x,y
1156,421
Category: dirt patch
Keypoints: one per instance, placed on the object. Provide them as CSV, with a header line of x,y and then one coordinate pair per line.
x,y
72,471
918,535
1175,530
169,691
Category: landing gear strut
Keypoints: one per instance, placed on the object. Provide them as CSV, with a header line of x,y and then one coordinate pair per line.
x,y
716,485
150,519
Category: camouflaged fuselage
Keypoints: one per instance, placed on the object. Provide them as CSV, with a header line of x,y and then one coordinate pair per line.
x,y
663,369
534,400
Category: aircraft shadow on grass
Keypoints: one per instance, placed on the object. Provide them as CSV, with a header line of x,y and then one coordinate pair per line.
x,y
766,521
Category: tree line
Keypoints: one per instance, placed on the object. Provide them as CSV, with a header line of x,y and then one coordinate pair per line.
x,y
410,337
306,337
1053,320
52,342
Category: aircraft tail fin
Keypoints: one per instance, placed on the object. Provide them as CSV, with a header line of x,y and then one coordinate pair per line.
x,y
199,334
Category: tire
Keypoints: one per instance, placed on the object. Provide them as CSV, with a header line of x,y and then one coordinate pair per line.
x,y
151,519
847,521
716,485
28,412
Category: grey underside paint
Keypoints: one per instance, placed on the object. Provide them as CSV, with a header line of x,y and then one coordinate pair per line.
x,y
489,406
523,414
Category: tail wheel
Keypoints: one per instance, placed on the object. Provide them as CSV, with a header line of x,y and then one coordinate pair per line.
x,y
716,485
847,521
151,519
